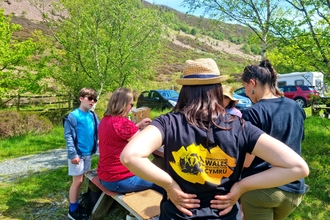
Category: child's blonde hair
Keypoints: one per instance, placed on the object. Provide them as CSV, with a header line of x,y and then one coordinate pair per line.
x,y
118,102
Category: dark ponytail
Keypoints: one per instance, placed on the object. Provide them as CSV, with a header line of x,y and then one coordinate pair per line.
x,y
273,83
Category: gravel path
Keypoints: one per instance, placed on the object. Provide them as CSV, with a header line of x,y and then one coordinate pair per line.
x,y
23,166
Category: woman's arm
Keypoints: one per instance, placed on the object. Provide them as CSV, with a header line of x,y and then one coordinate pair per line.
x,y
287,166
248,160
135,156
144,122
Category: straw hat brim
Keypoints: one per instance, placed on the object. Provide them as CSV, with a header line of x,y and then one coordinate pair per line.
x,y
235,100
201,81
231,97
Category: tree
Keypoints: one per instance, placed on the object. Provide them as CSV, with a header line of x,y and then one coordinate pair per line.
x,y
258,15
20,67
303,44
103,44
294,33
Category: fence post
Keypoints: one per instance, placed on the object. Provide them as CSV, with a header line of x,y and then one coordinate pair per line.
x,y
18,101
69,101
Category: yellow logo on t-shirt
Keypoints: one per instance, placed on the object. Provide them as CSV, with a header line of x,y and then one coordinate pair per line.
x,y
198,165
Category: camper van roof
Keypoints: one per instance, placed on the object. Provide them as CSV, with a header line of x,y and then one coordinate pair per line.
x,y
299,73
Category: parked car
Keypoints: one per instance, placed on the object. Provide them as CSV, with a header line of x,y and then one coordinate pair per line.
x,y
158,99
241,92
243,102
300,93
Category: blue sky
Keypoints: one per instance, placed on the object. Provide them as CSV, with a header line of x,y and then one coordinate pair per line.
x,y
174,4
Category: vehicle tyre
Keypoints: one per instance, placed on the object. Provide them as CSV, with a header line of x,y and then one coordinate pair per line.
x,y
301,102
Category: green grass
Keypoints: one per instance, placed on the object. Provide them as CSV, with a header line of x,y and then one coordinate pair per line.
x,y
44,195
316,151
31,144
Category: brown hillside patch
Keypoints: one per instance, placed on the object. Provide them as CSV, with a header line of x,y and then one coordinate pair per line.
x,y
181,46
28,27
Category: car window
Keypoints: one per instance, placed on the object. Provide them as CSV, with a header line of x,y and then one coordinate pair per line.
x,y
305,88
281,83
291,89
145,95
240,91
155,95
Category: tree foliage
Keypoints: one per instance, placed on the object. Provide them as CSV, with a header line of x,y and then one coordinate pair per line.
x,y
104,44
303,40
20,68
258,15
294,34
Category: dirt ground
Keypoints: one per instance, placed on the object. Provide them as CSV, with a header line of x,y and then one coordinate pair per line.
x,y
22,8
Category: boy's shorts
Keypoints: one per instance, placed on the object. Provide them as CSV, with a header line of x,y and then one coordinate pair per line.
x,y
82,167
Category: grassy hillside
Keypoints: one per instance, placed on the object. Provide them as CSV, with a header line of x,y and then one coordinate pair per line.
x,y
190,37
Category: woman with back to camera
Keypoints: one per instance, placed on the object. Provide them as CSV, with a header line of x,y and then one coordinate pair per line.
x,y
204,151
283,119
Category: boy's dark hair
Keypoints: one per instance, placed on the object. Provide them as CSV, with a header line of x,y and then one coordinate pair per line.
x,y
87,92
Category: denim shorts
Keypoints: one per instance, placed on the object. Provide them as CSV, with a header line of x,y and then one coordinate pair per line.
x,y
131,184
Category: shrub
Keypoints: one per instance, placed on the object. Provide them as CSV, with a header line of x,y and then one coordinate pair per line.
x,y
55,116
219,36
15,123
246,48
236,40
175,27
185,28
193,31
256,50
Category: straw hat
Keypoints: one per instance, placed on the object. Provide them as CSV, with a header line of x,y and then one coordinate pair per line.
x,y
228,91
201,72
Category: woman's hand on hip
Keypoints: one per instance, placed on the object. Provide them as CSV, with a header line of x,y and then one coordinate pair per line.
x,y
183,201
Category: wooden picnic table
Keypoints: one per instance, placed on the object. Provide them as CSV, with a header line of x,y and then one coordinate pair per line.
x,y
322,103
159,151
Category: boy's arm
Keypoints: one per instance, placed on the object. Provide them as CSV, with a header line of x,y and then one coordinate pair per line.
x,y
72,152
97,122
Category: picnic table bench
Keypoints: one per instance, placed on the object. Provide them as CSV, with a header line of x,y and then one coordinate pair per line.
x,y
322,103
143,204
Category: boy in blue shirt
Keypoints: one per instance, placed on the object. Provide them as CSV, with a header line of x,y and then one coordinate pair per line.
x,y
80,133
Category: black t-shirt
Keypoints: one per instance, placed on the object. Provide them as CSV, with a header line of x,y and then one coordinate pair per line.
x,y
283,119
206,163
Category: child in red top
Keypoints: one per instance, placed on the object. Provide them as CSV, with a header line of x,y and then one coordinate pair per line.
x,y
115,130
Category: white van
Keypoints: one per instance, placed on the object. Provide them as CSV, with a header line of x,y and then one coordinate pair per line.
x,y
314,79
